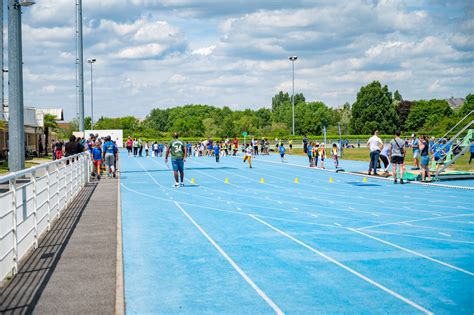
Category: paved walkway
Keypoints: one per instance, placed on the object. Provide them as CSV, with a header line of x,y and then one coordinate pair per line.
x,y
74,268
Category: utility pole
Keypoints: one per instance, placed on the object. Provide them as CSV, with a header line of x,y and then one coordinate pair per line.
x,y
16,128
80,64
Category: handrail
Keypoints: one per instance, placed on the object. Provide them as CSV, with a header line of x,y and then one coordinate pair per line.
x,y
26,171
455,137
447,133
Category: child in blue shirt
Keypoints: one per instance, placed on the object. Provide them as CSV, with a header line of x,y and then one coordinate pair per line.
x,y
97,158
282,152
217,150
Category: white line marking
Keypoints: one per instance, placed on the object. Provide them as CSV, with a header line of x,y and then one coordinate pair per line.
x,y
314,215
444,234
378,285
408,224
295,209
418,220
337,224
239,208
375,215
232,263
471,222
437,214
412,252
422,237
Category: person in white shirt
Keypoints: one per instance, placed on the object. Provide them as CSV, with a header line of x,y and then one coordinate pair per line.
x,y
248,154
374,144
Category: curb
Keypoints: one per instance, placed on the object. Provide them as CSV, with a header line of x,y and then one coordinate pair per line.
x,y
119,284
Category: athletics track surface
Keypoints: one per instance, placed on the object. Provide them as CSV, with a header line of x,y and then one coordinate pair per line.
x,y
248,247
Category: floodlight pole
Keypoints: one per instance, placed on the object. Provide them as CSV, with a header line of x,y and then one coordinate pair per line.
x,y
16,128
91,61
80,64
293,59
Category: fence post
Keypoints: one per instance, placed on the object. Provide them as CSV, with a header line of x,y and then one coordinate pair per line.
x,y
48,183
35,208
12,183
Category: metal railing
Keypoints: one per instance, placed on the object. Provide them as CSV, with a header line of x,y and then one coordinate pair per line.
x,y
31,199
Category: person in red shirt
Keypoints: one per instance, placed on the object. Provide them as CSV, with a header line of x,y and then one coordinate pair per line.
x,y
236,145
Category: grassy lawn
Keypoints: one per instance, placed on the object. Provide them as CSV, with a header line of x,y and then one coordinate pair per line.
x,y
362,154
28,163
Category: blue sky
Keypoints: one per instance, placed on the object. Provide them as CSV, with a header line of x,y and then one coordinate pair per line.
x,y
235,53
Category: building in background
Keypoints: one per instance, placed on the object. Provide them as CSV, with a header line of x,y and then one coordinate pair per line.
x,y
34,130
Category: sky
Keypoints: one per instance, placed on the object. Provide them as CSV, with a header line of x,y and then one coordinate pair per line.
x,y
165,53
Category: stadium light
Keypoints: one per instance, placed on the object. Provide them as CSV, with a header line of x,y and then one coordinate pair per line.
x,y
91,61
293,59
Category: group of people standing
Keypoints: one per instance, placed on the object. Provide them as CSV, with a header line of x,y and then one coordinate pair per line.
x,y
395,152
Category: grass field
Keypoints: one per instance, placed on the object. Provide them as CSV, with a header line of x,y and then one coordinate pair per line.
x,y
362,154
28,164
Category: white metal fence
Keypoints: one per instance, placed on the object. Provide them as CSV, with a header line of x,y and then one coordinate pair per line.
x,y
31,199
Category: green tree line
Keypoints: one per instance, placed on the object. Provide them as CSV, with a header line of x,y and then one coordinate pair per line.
x,y
374,108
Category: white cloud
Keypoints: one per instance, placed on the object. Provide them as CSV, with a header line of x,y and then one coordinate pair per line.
x,y
172,52
205,51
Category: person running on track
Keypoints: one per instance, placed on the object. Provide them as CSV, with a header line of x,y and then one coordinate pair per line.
x,y
334,155
282,153
248,154
177,149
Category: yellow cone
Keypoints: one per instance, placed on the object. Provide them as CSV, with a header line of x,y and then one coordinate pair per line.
x,y
297,180
193,181
364,180
226,180
262,181
331,180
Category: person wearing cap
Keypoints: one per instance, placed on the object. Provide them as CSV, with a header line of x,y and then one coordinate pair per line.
x,y
415,144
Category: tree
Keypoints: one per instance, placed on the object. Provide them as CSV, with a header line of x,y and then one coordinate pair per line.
x,y
280,99
427,114
397,96
467,107
49,124
373,109
403,109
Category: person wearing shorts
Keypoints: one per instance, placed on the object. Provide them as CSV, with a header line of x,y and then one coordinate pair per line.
x,y
97,158
109,156
397,156
282,153
248,154
425,158
177,150
129,145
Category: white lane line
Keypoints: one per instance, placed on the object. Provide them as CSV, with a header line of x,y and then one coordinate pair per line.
x,y
421,237
444,234
413,252
232,263
298,209
314,215
337,224
418,220
437,214
375,215
378,285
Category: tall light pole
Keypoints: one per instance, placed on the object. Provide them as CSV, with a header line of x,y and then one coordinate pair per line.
x,y
293,59
80,64
16,128
91,61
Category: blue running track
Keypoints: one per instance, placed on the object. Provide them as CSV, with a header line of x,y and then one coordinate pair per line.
x,y
247,247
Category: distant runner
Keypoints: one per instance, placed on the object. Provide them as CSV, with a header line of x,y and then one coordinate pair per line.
x,y
178,156
248,154
282,153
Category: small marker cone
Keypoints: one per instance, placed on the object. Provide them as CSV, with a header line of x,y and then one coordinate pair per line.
x,y
297,180
262,181
226,180
331,180
364,180
193,181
